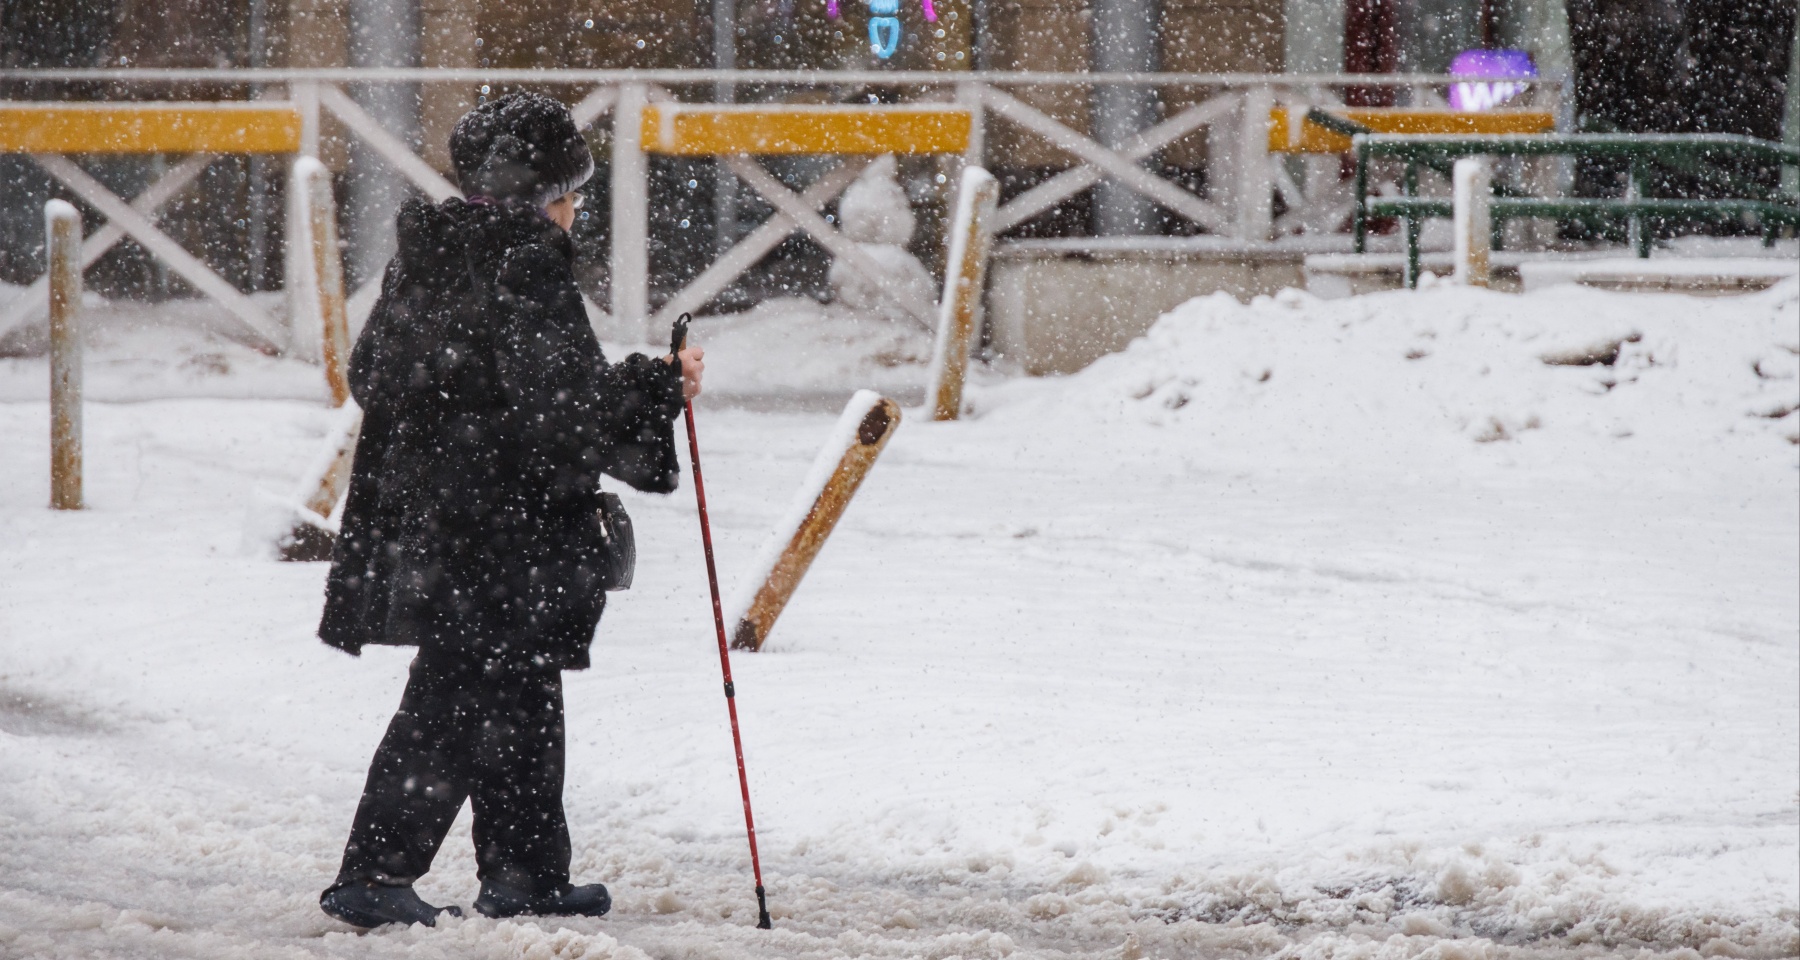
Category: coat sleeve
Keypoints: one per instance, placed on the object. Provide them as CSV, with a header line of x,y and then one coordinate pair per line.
x,y
642,399
577,416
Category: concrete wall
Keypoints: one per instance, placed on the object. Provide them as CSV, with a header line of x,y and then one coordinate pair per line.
x,y
1056,306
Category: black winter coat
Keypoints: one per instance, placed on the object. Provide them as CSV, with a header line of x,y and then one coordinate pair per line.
x,y
489,415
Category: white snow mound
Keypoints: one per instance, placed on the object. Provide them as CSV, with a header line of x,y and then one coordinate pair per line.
x,y
1396,378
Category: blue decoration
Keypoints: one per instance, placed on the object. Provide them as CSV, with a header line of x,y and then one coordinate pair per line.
x,y
884,26
884,36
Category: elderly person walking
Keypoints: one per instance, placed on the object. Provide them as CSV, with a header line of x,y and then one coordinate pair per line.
x,y
472,528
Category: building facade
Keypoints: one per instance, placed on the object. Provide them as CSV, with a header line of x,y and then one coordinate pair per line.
x,y
1719,65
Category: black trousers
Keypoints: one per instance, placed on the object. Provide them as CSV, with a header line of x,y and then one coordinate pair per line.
x,y
490,732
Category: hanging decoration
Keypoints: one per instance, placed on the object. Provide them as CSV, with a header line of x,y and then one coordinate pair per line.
x,y
884,25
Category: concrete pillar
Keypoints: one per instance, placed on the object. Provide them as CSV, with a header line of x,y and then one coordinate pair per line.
x,y
1125,41
383,33
1432,32
1314,39
1313,42
630,216
261,168
725,207
1540,28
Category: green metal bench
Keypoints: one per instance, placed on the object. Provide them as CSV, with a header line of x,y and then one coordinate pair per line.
x,y
1709,157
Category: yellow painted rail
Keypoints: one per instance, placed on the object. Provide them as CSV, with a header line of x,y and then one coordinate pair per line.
x,y
710,129
149,128
1316,139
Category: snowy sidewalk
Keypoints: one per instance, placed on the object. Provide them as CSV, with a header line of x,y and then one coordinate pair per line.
x,y
1456,655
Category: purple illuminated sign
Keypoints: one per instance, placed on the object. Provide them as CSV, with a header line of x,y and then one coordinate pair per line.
x,y
1488,94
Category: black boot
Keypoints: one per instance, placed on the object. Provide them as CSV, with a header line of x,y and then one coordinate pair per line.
x,y
366,904
499,900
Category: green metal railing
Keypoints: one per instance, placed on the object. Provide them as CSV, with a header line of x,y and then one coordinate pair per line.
x,y
1716,160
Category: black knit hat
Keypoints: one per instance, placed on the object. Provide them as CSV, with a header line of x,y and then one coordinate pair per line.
x,y
522,146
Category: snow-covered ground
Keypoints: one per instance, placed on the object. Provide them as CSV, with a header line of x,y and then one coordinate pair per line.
x,y
1345,630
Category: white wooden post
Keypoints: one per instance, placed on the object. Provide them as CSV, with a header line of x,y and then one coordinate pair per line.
x,y
1473,216
965,276
62,228
296,267
968,96
329,476
306,99
630,214
1255,182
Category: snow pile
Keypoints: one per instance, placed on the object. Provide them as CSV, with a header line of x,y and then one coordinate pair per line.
x,y
136,352
1388,380
797,352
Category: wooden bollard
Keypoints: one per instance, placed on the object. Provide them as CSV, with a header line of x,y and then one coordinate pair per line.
x,y
1473,219
327,485
860,434
62,228
313,180
965,277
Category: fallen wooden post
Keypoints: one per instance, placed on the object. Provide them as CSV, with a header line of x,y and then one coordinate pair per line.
x,y
860,434
965,277
314,528
62,227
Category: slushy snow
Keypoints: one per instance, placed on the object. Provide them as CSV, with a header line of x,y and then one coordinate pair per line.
x,y
1446,624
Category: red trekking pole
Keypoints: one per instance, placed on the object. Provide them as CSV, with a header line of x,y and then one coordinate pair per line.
x,y
678,340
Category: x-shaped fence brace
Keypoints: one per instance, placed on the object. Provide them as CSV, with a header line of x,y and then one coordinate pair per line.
x,y
134,219
794,211
1098,161
96,245
766,237
1076,179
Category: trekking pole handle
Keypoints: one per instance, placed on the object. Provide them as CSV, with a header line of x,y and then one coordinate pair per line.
x,y
678,338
